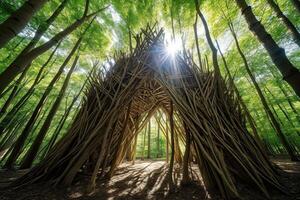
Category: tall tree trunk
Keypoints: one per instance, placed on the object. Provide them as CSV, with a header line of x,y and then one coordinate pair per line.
x,y
21,102
144,142
37,36
288,24
18,82
134,149
35,146
19,64
18,20
197,42
208,38
130,40
66,114
8,88
170,171
283,109
283,90
6,142
244,106
290,73
42,28
172,21
267,109
168,143
149,139
12,50
21,139
158,141
61,124
13,93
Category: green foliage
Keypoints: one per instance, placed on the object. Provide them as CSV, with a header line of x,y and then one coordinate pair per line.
x,y
110,32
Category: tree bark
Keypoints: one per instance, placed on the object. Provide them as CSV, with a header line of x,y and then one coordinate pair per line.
x,y
283,90
12,49
37,36
9,116
21,139
130,40
19,64
284,110
18,20
263,100
62,122
168,143
144,143
35,146
288,24
244,106
289,72
149,139
158,141
170,172
197,42
208,38
13,93
134,149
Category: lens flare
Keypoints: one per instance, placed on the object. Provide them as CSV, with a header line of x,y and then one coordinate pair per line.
x,y
173,47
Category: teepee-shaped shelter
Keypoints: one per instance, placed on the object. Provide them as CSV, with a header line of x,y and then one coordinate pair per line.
x,y
117,106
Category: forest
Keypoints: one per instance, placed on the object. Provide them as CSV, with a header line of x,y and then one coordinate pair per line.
x,y
149,99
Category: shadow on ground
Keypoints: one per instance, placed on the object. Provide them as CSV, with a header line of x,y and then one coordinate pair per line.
x,y
144,180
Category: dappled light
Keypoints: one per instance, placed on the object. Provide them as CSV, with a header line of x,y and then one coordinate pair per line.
x,y
156,99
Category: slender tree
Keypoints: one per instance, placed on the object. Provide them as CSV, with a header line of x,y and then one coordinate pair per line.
x,y
170,171
62,122
168,143
144,142
289,72
197,42
37,36
158,140
284,91
208,38
134,149
244,106
13,93
282,108
35,146
17,21
263,100
22,101
21,139
13,49
20,64
149,140
288,24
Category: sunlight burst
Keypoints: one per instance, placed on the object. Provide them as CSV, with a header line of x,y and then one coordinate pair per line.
x,y
173,47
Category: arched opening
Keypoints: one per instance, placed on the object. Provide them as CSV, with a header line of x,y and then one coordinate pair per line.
x,y
151,142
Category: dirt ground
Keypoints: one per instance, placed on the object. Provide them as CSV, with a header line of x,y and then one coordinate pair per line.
x,y
145,180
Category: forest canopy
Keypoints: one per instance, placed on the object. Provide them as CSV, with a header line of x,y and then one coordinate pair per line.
x,y
45,64
88,84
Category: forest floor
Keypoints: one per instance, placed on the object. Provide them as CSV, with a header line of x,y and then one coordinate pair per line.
x,y
144,180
